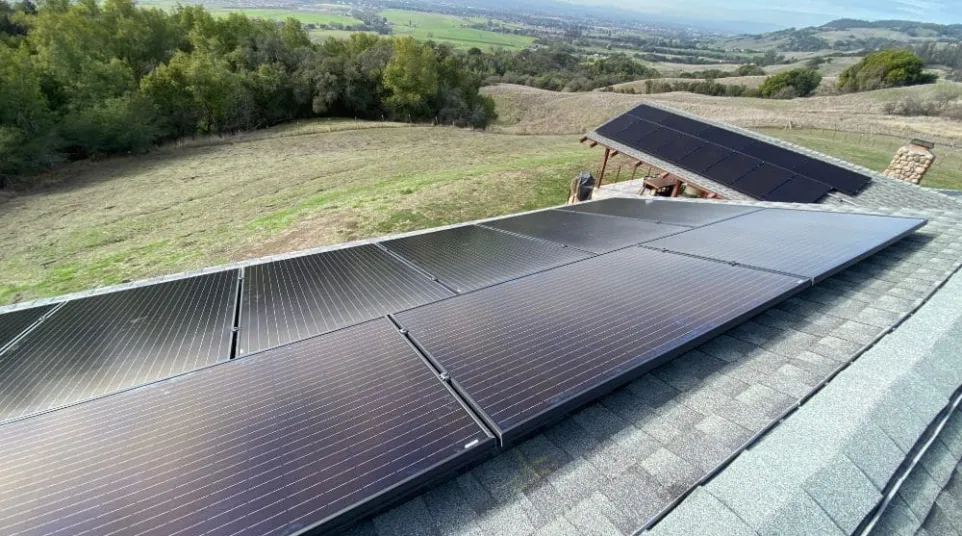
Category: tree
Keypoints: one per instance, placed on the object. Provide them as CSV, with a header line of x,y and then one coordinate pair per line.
x,y
883,69
411,78
790,84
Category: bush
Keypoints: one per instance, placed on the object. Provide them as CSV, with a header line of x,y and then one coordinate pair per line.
x,y
750,70
884,69
791,84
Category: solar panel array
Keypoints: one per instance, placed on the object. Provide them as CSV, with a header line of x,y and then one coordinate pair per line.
x,y
298,394
751,166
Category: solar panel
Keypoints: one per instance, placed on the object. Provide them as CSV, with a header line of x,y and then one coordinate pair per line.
x,y
841,179
586,231
107,343
805,243
616,125
799,189
774,155
471,257
732,168
683,124
664,211
530,349
293,299
306,435
656,139
636,132
13,324
726,138
650,113
675,150
762,180
703,158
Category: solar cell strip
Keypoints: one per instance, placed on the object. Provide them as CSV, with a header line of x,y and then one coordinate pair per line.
x,y
307,435
471,257
528,349
14,323
663,211
805,243
103,344
585,231
297,298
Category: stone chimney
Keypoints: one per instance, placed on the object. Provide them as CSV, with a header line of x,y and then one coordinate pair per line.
x,y
911,161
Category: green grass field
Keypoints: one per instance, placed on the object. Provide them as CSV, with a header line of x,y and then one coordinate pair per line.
x,y
449,29
280,190
305,16
874,152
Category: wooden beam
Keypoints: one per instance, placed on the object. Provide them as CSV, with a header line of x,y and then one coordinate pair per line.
x,y
593,144
583,138
601,174
614,154
676,188
634,168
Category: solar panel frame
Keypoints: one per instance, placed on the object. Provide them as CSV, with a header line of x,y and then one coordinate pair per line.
x,y
15,323
470,257
94,346
510,327
585,231
300,297
804,243
663,211
232,449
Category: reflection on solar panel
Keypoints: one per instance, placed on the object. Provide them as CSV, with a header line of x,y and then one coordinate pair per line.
x,y
265,445
471,257
673,212
102,344
293,299
809,244
528,349
14,323
709,153
585,231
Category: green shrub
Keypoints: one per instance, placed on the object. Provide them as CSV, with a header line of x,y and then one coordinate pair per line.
x,y
883,69
790,84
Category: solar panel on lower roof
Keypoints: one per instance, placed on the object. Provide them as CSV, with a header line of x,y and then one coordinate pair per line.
x,y
683,124
805,243
103,344
800,189
675,150
726,138
471,257
526,350
296,298
656,139
13,324
732,168
843,180
634,133
704,157
649,113
585,231
616,125
673,212
301,436
774,154
762,180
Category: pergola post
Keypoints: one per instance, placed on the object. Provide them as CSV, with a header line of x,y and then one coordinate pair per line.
x,y
601,174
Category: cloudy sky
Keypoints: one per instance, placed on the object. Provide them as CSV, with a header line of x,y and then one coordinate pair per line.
x,y
798,13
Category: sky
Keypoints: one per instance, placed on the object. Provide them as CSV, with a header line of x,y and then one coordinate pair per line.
x,y
795,13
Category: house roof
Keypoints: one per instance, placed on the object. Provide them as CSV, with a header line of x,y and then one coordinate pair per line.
x,y
881,191
621,462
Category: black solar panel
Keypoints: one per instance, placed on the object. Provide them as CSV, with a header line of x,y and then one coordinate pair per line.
x,y
798,190
683,124
13,324
726,138
297,298
774,155
471,257
635,133
732,168
675,150
809,244
657,139
703,158
616,125
841,179
531,348
673,212
650,113
265,445
762,180
586,231
102,344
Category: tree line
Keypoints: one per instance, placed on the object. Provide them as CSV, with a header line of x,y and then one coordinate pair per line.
x,y
82,78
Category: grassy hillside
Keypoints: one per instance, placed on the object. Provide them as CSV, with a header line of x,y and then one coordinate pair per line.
x,y
449,29
200,204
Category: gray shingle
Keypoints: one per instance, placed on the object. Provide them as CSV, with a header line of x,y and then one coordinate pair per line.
x,y
875,454
704,515
673,472
801,516
844,492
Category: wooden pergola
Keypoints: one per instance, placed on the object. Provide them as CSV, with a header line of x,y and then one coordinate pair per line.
x,y
659,183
